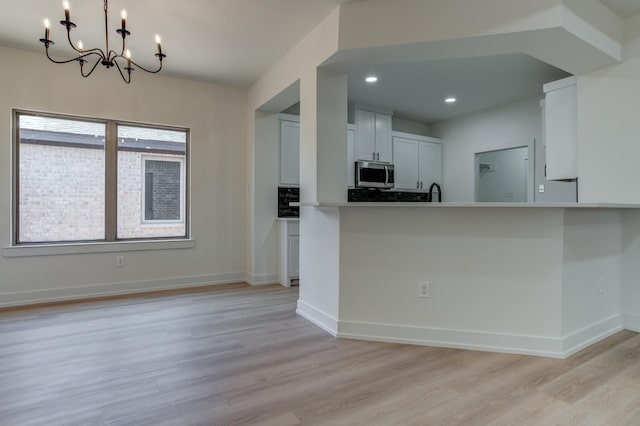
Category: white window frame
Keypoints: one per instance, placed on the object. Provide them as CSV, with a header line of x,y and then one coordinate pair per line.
x,y
183,189
111,243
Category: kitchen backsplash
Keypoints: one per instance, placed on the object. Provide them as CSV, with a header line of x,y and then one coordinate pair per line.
x,y
286,196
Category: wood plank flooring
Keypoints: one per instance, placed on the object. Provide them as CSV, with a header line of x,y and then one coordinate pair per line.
x,y
240,355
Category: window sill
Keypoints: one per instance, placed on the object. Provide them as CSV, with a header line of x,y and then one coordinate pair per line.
x,y
86,248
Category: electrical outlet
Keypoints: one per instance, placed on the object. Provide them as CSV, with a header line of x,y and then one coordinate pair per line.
x,y
424,289
601,286
119,261
541,188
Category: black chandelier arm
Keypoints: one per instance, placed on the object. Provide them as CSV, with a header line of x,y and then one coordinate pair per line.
x,y
96,50
125,79
98,61
148,70
77,58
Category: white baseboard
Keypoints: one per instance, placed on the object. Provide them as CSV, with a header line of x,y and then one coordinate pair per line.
x,y
551,347
110,289
263,279
318,317
591,334
632,322
457,339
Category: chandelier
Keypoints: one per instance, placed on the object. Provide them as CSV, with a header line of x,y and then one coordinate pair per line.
x,y
108,58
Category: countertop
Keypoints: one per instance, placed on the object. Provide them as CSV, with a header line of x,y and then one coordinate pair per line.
x,y
474,205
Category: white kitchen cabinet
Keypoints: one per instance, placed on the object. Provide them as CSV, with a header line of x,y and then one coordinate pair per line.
x,y
417,161
294,257
289,252
373,136
561,129
289,153
351,156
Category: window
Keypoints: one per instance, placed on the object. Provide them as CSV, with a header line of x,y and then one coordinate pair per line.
x,y
78,179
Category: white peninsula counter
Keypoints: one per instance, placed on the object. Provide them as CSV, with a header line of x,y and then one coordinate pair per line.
x,y
541,279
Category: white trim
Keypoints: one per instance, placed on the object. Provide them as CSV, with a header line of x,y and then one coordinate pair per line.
x,y
371,108
100,247
110,289
591,334
289,117
262,279
413,136
560,84
169,158
552,347
448,338
318,317
632,322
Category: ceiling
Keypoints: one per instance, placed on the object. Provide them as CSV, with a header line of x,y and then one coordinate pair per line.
x,y
234,42
623,8
417,91
231,42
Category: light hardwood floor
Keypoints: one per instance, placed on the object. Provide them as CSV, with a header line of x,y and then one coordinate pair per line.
x,y
240,355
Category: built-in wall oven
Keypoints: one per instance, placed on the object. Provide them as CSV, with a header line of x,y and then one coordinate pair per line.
x,y
374,175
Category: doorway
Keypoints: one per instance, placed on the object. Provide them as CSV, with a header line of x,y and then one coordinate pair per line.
x,y
502,175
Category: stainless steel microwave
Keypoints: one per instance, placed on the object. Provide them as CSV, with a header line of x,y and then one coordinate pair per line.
x,y
371,174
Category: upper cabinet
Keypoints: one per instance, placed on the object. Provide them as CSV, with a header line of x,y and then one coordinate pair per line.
x,y
351,155
417,161
561,127
373,136
289,153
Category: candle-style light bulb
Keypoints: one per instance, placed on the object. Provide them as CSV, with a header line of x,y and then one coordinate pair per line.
x,y
127,54
123,14
80,46
158,41
47,27
65,4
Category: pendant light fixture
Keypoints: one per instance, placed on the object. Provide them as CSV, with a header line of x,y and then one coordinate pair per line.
x,y
108,58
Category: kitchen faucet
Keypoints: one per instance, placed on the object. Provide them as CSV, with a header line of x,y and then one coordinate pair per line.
x,y
430,193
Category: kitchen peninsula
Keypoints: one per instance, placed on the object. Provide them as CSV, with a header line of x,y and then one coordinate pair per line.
x,y
531,278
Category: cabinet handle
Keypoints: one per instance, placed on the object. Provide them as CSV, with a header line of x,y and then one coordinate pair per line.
x,y
420,184
378,156
417,184
373,156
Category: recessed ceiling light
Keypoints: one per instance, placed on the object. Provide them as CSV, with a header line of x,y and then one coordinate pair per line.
x,y
371,79
450,100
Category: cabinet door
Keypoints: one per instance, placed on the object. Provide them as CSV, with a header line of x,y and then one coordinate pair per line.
x,y
561,133
405,153
351,157
365,136
384,150
430,164
289,153
294,256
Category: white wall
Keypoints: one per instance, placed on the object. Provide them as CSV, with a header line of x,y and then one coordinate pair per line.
x,y
507,126
487,285
630,293
409,126
265,236
592,251
608,131
216,116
